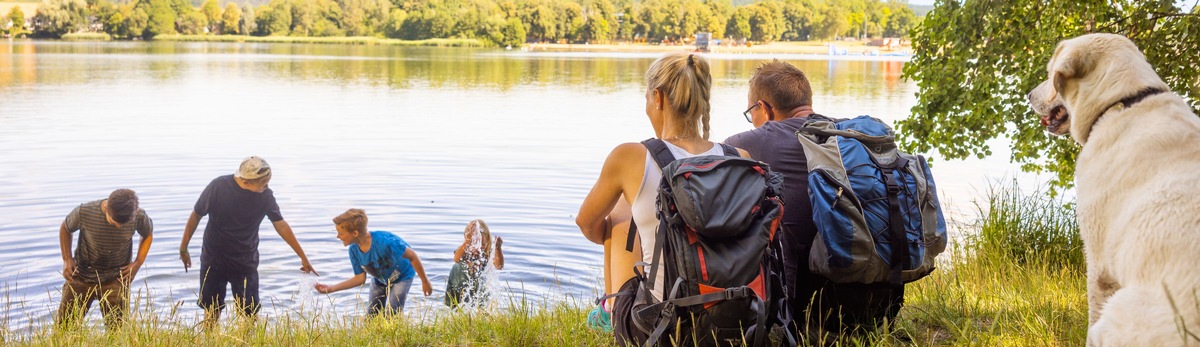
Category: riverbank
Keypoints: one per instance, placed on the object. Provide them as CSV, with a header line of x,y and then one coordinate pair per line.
x,y
802,47
360,40
1017,280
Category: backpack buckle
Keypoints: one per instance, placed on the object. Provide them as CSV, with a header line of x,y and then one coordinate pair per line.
x,y
738,293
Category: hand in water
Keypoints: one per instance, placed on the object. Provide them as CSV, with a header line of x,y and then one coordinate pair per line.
x,y
322,288
427,288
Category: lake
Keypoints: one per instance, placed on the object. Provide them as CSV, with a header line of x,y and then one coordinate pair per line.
x,y
423,139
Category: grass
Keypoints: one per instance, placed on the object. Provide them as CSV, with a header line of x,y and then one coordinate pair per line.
x,y
1016,280
360,40
87,37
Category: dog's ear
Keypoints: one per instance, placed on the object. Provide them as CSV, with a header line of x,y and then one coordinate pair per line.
x,y
1068,62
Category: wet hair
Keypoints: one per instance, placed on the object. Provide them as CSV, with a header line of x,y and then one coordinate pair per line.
x,y
685,80
122,205
354,219
781,85
485,234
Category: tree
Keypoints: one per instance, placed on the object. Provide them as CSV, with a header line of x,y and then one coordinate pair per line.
x,y
193,23
161,18
212,15
231,19
17,19
57,17
975,61
135,24
739,23
247,25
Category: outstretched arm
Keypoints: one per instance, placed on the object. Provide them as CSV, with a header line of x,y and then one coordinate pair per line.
x,y
285,231
352,282
426,287
188,230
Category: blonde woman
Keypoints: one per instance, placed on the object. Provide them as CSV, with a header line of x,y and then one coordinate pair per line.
x,y
470,260
677,106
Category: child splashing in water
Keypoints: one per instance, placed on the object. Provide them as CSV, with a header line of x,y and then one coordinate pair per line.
x,y
470,260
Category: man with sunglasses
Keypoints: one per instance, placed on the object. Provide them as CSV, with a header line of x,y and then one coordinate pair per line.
x,y
780,102
235,205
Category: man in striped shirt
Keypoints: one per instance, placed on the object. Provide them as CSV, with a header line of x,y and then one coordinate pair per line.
x,y
101,268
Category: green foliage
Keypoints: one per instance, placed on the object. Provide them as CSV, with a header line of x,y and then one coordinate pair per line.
x,y
247,25
192,23
160,17
975,61
55,18
212,15
16,17
231,20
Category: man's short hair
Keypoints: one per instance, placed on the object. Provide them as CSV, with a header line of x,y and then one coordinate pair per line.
x,y
354,219
781,85
122,205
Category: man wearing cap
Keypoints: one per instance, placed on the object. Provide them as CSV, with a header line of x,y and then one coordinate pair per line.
x,y
235,206
100,268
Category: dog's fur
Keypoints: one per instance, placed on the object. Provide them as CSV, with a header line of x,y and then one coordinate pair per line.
x,y
1137,182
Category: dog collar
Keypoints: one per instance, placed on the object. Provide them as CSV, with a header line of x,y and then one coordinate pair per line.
x,y
1128,102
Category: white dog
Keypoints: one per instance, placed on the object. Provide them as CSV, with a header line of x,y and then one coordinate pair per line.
x,y
1137,182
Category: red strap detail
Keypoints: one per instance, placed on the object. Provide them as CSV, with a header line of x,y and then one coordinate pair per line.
x,y
710,289
703,264
691,234
687,175
760,170
778,218
757,286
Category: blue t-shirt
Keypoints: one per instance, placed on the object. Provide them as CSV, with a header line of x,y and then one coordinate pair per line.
x,y
385,260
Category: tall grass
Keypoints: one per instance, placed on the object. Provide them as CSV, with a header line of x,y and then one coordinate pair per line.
x,y
1015,279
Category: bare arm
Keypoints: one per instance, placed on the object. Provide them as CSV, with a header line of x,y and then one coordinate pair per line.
x,y
609,188
188,229
285,231
416,264
352,282
64,242
129,271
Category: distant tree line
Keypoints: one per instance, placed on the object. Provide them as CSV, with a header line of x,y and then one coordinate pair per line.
x,y
501,22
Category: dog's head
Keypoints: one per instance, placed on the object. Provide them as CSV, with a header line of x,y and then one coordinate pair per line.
x,y
1087,75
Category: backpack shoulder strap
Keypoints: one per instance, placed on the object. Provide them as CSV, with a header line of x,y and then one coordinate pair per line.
x,y
730,150
658,149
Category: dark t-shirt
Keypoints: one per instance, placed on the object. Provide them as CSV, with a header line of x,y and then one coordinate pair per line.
x,y
234,215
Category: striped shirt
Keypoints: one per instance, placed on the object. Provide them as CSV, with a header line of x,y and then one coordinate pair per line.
x,y
102,248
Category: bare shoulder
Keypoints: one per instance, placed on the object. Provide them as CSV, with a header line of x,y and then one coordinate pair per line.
x,y
744,153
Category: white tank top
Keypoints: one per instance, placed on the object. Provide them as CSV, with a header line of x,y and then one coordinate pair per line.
x,y
645,211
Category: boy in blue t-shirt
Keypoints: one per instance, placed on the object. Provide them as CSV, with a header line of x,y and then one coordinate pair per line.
x,y
382,254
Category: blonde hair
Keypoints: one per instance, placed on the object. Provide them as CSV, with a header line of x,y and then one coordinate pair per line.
x,y
352,220
685,80
485,234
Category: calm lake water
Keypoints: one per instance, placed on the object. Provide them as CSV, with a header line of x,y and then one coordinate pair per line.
x,y
423,139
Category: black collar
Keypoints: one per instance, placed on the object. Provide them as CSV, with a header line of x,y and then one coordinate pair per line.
x,y
1133,99
1128,102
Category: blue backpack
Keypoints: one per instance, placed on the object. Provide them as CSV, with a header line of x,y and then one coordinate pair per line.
x,y
876,209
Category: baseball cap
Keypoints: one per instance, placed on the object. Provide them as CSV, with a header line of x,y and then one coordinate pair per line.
x,y
253,167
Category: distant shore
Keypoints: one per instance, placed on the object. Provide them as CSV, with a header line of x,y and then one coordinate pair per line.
x,y
858,48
